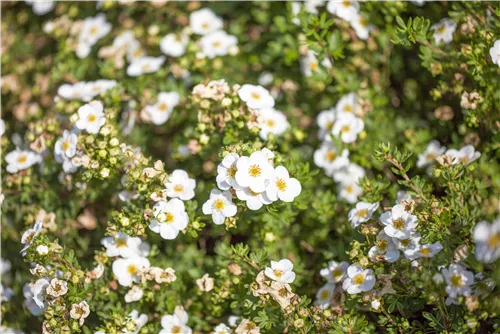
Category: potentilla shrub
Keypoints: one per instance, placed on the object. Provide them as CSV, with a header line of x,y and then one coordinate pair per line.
x,y
250,167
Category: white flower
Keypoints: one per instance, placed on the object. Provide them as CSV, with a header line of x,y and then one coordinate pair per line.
x,y
402,196
176,322
487,239
222,329
465,155
42,250
361,27
348,178
375,304
139,319
281,271
309,64
256,97
127,41
174,45
220,206
41,7
125,246
326,120
5,295
217,43
29,294
265,78
409,244
57,288
91,117
85,91
272,121
93,29
335,272
384,249
358,280
66,145
80,311
254,172
438,278
433,150
29,235
253,200
161,111
444,30
134,294
204,21
350,192
327,157
282,186
144,65
38,290
169,218
458,280
4,266
324,295
426,251
18,160
180,185
495,52
347,105
346,10
126,270
226,172
398,222
348,127
362,213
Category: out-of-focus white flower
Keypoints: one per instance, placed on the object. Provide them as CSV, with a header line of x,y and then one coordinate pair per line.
x,y
42,250
66,145
265,78
93,29
125,246
222,329
85,91
358,280
256,97
204,21
282,186
375,304
324,295
398,222
176,322
161,111
138,319
465,155
328,158
145,65
402,196
427,251
91,117
438,278
361,26
433,150
18,160
41,7
444,30
174,45
180,185
458,280
487,239
362,213
335,272
220,205
127,270
495,52
310,64
217,43
134,294
325,121
281,271
272,121
169,218
348,127
346,10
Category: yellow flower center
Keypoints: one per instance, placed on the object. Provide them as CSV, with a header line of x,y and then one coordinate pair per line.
x,y
254,171
216,44
329,125
358,279
94,30
219,204
271,123
120,243
494,241
337,273
232,171
65,145
425,251
91,118
431,156
176,330
382,245
132,269
146,67
169,218
349,189
441,29
399,224
255,96
405,242
278,273
346,128
363,213
330,156
346,3
205,25
464,160
178,188
163,106
324,294
281,184
456,280
348,108
22,158
314,66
